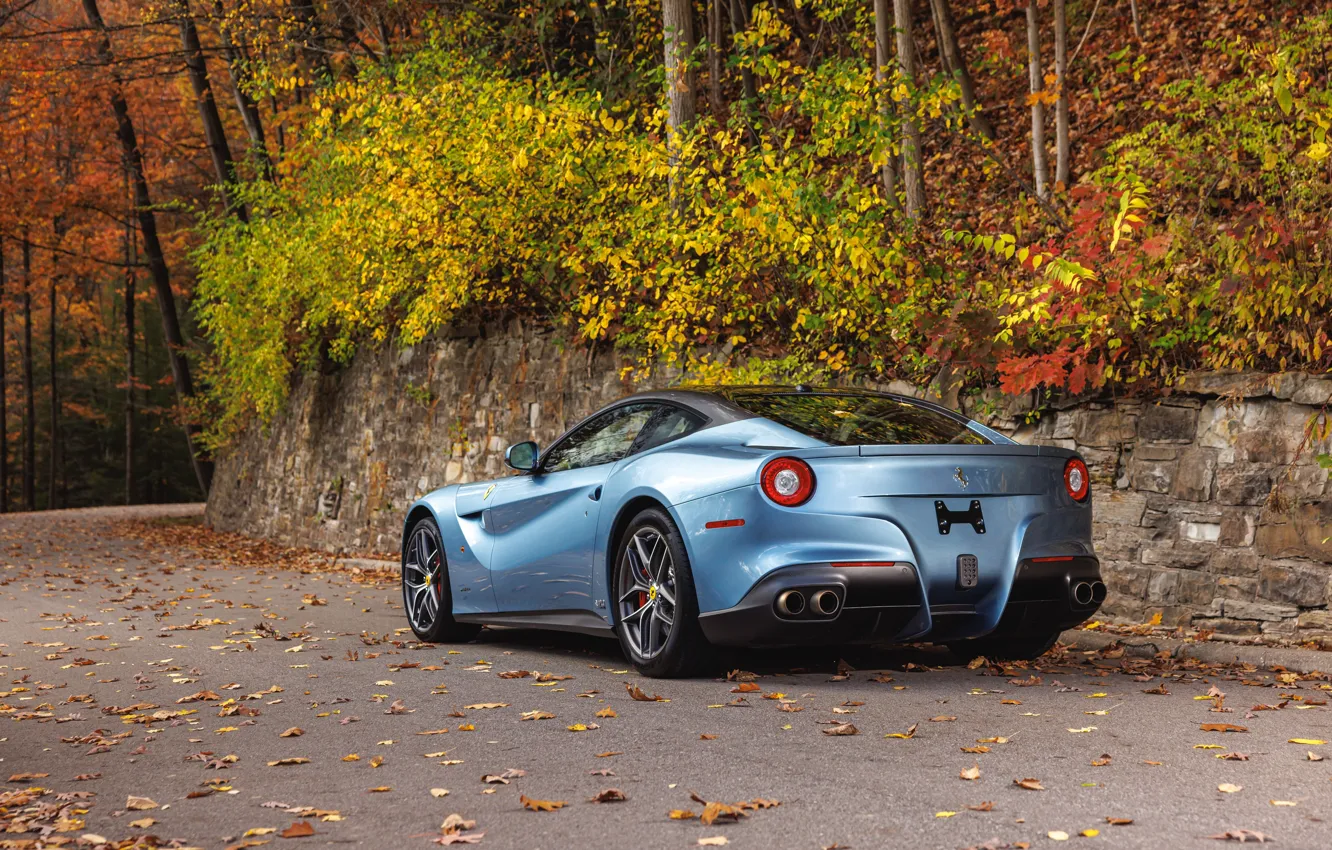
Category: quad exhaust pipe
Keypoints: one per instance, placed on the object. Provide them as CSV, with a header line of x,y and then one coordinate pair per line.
x,y
791,603
808,603
1088,592
825,602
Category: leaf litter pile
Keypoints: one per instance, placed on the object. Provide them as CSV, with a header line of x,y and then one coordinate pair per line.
x,y
174,687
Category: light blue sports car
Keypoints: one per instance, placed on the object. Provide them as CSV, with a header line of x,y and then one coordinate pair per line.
x,y
763,516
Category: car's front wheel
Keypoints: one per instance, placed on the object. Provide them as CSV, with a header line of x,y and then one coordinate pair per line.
x,y
425,588
656,607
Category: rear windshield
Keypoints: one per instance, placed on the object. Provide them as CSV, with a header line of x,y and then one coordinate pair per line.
x,y
860,420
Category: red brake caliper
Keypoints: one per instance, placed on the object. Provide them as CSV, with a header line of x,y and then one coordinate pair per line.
x,y
642,598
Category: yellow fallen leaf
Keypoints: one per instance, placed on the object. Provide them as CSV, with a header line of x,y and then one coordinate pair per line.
x,y
352,757
139,804
1090,833
578,727
144,823
1308,742
607,712
1083,730
481,706
1282,802
944,814
384,682
287,761
1208,747
259,831
380,789
293,732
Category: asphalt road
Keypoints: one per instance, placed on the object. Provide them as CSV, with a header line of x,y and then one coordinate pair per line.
x,y
100,616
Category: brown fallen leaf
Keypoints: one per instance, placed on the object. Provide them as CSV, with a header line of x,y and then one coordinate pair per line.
x,y
541,805
142,823
288,761
482,706
610,795
293,732
746,688
537,714
706,737
201,696
1103,761
607,712
514,674
681,814
987,806
1223,727
27,777
1243,836
608,754
1234,756
972,772
398,707
976,750
139,804
842,729
379,789
943,718
1029,784
1160,690
637,693
1119,821
298,829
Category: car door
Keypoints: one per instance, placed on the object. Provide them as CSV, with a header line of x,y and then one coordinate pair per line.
x,y
544,524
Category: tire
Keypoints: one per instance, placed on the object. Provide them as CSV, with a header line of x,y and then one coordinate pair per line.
x,y
648,599
426,596
1011,647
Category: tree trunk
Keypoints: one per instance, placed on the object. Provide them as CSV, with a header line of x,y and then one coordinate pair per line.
x,y
215,134
1040,172
883,57
29,403
53,478
955,63
131,261
4,390
738,11
677,19
245,105
913,169
166,299
1063,168
1137,21
714,58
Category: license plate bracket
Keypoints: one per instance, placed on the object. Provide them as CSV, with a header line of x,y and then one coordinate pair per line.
x,y
972,516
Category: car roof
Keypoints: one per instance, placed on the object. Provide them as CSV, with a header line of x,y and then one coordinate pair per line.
x,y
720,402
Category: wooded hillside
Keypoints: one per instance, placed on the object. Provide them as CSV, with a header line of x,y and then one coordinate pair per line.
x,y
198,199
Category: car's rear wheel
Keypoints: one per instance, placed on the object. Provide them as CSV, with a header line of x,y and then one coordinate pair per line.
x,y
425,588
1005,647
656,608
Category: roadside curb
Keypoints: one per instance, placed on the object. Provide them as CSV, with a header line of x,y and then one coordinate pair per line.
x,y
1208,652
368,564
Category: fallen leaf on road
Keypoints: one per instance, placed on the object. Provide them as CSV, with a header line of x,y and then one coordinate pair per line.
x,y
746,688
681,814
380,789
541,805
1309,756
1308,742
610,795
1090,833
1223,727
1029,784
944,814
142,823
943,718
607,712
972,772
1242,836
713,841
139,804
1228,788
439,792
1233,756
481,706
1119,821
987,806
1057,835
842,729
298,829
27,777
977,749
287,761
293,732
537,714
514,674
909,733
637,693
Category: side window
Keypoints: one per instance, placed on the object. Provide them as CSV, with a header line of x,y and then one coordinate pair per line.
x,y
605,439
671,423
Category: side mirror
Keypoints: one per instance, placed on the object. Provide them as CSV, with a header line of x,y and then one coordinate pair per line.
x,y
522,456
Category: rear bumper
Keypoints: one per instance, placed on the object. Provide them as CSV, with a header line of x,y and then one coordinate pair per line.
x,y
886,604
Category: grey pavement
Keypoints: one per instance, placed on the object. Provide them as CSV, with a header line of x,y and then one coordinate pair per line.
x,y
102,611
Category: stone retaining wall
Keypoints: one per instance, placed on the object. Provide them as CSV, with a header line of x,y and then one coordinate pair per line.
x,y
1211,508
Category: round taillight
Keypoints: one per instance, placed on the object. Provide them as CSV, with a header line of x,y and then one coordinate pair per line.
x,y
1076,480
788,481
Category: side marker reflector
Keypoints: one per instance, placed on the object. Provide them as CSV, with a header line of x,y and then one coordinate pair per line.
x,y
725,523
1055,558
864,563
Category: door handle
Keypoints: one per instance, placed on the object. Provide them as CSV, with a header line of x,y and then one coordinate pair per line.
x,y
595,495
